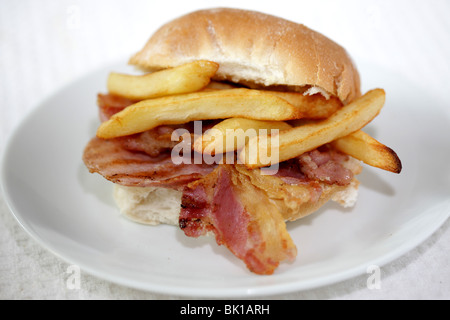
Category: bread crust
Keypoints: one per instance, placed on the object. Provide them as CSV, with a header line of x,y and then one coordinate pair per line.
x,y
253,47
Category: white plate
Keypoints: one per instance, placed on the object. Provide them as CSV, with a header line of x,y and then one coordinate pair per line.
x,y
71,212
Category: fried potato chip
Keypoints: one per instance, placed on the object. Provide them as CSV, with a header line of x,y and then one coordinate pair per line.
x,y
186,78
311,106
220,104
298,140
232,134
363,147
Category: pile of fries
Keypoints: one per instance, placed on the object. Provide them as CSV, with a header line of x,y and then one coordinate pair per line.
x,y
187,93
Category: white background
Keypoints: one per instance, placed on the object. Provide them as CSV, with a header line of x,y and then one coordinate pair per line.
x,y
45,45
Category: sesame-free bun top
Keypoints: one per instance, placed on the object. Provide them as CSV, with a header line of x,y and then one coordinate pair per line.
x,y
252,47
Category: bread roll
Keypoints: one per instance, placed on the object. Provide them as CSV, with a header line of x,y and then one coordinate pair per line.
x,y
254,48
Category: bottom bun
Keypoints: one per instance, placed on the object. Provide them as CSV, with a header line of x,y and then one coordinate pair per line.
x,y
152,205
149,205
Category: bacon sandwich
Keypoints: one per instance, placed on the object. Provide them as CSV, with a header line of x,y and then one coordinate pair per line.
x,y
236,69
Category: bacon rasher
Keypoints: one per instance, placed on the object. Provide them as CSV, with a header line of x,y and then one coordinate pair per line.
x,y
241,217
131,168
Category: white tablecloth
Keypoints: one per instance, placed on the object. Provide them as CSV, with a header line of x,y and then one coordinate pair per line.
x,y
45,44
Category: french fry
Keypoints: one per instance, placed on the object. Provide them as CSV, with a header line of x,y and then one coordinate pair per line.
x,y
311,106
298,140
186,78
363,147
232,134
220,104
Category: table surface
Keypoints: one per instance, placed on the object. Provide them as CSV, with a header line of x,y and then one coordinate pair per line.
x,y
46,44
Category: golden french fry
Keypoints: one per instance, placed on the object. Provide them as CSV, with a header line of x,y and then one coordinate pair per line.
x,y
298,140
220,104
311,106
186,78
232,134
363,147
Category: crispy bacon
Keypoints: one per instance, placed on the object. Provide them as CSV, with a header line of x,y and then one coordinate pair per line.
x,y
130,168
109,105
246,210
286,192
325,164
241,216
150,142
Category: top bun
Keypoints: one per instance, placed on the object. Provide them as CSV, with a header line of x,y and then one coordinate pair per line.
x,y
256,48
